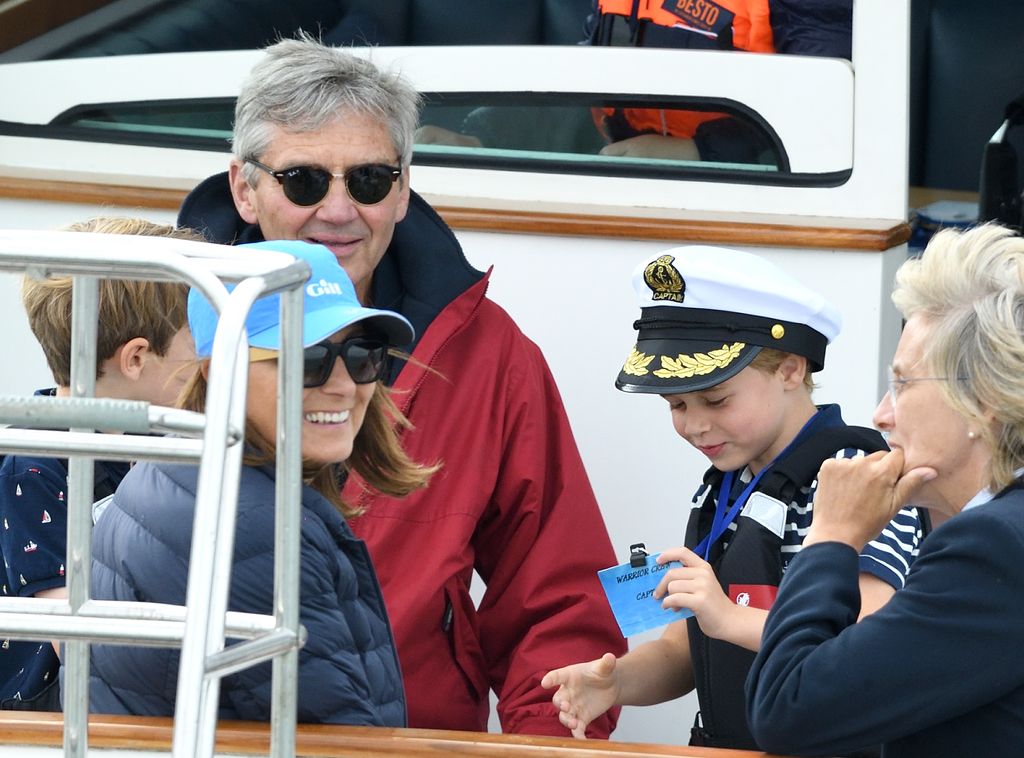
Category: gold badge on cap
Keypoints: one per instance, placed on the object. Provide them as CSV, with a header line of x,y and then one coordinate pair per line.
x,y
664,280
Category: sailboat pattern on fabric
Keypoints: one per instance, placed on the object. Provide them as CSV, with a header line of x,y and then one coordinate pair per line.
x,y
33,506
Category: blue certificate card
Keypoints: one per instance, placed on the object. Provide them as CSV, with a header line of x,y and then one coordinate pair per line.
x,y
630,591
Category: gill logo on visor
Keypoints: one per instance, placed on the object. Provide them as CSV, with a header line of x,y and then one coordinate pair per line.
x,y
323,287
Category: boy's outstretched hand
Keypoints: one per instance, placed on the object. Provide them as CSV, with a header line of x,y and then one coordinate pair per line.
x,y
585,691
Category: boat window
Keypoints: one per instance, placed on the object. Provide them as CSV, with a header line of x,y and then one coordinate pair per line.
x,y
568,133
609,135
196,124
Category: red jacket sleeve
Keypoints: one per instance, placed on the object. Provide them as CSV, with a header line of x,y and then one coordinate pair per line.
x,y
538,551
513,503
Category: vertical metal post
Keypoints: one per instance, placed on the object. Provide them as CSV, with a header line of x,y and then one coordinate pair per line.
x,y
288,518
209,575
78,569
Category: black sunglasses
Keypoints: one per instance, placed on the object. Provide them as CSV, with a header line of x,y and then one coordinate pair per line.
x,y
308,185
365,359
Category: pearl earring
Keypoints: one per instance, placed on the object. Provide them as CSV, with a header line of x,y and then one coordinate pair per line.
x,y
972,435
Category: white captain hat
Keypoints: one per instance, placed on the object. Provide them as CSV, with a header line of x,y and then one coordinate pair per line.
x,y
706,312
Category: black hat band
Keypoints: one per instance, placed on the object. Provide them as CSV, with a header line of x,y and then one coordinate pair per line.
x,y
665,323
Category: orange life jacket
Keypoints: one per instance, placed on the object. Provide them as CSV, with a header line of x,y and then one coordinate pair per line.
x,y
711,24
747,22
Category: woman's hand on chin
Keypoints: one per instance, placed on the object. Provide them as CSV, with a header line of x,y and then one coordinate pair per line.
x,y
857,497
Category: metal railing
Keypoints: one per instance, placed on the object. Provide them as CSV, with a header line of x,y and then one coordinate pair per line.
x,y
213,439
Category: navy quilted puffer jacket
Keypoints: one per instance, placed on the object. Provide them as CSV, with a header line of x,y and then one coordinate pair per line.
x,y
348,669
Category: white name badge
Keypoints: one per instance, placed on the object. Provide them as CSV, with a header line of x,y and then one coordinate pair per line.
x,y
767,511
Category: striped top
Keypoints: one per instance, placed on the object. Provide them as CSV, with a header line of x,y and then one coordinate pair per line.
x,y
888,556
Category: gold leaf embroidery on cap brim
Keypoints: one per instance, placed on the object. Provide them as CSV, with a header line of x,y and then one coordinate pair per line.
x,y
698,364
636,363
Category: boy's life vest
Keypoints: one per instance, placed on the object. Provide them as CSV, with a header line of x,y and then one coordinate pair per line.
x,y
750,571
694,24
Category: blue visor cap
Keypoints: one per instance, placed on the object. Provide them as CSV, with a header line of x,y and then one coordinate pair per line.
x,y
330,306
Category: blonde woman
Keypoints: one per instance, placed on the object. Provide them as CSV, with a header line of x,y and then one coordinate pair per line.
x,y
938,671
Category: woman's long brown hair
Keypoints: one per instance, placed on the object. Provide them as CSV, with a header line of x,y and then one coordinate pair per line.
x,y
377,453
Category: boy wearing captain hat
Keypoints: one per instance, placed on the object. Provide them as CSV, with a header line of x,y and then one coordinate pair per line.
x,y
730,341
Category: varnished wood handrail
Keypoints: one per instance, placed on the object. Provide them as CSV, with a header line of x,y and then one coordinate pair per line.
x,y
622,226
615,224
324,741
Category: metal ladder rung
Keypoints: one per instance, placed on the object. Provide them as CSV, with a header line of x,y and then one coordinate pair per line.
x,y
111,447
47,412
139,623
108,414
245,654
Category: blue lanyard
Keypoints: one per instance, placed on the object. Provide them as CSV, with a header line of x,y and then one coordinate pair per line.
x,y
725,514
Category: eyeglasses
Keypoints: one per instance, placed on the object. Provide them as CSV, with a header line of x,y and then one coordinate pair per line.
x,y
308,185
365,360
896,384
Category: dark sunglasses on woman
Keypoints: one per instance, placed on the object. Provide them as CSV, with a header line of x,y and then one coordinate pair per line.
x,y
308,185
365,359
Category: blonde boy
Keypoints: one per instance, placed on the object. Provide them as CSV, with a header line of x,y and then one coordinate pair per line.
x,y
142,344
730,341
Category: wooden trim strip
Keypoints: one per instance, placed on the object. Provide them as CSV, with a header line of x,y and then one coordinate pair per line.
x,y
676,230
91,193
608,225
325,740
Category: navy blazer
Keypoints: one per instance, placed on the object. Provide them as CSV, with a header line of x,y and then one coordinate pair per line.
x,y
938,671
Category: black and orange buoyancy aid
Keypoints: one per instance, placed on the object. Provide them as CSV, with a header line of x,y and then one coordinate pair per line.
x,y
751,565
701,24
708,24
